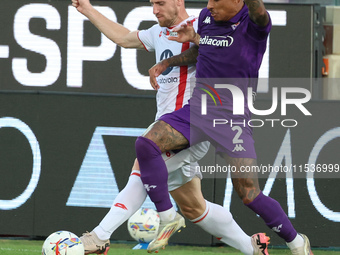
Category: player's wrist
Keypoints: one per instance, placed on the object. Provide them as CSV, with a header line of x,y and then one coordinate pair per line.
x,y
196,39
87,9
165,63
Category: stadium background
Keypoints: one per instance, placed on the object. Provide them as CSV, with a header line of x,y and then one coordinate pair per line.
x,y
71,105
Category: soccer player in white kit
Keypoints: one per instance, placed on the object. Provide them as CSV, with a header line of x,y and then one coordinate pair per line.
x,y
184,182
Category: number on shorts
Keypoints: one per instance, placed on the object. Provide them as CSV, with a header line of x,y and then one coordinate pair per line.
x,y
238,134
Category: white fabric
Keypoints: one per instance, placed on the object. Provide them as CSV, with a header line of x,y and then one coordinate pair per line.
x,y
128,201
182,166
296,243
155,39
218,221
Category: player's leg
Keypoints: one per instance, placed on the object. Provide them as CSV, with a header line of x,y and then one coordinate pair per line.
x,y
247,187
159,137
214,218
127,202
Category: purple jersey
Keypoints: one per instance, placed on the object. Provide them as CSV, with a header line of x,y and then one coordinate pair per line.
x,y
231,49
230,52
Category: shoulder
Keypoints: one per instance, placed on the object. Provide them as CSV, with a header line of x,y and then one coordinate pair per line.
x,y
204,13
150,32
154,29
204,19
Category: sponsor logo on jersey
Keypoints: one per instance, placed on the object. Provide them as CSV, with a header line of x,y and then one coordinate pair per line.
x,y
169,33
167,80
220,41
166,54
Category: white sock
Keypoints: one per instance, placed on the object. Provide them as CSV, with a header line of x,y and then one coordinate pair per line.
x,y
167,215
128,201
296,243
219,222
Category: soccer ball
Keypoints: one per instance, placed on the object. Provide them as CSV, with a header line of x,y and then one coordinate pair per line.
x,y
143,225
62,243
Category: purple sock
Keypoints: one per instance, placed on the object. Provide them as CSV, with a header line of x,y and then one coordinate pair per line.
x,y
274,216
154,173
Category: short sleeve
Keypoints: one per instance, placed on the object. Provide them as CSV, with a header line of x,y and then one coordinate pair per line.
x,y
257,32
147,37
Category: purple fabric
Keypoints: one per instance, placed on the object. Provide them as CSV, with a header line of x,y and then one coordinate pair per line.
x,y
274,216
232,50
197,128
154,173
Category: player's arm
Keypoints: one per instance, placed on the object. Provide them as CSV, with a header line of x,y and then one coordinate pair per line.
x,y
112,30
187,57
257,12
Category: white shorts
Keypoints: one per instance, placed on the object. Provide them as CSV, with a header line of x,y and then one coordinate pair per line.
x,y
182,166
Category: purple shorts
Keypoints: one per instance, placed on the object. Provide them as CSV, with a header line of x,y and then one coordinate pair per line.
x,y
226,133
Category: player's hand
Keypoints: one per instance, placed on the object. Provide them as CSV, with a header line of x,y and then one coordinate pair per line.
x,y
185,33
155,71
80,4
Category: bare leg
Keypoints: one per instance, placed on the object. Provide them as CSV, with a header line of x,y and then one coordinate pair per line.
x,y
247,187
213,218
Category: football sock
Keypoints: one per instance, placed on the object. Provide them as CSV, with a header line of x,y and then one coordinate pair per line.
x,y
127,202
168,215
296,243
274,216
154,173
219,222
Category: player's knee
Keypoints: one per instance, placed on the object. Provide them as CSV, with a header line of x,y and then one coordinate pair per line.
x,y
248,195
189,212
145,148
192,212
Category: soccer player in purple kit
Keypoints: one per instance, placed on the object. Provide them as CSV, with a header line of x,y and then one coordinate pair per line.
x,y
231,40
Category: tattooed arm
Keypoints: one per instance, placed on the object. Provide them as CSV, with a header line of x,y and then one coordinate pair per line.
x,y
257,12
187,57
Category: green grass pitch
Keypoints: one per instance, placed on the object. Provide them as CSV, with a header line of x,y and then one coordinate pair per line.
x,y
30,247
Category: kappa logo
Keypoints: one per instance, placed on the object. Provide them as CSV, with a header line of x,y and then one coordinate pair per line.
x,y
238,147
149,187
207,20
278,228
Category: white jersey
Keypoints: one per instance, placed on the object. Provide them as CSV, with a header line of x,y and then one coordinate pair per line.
x,y
174,91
